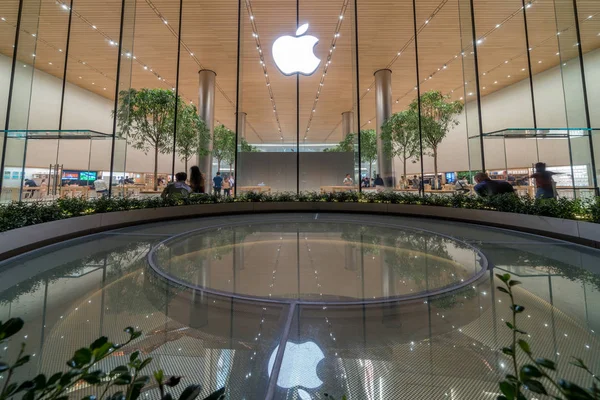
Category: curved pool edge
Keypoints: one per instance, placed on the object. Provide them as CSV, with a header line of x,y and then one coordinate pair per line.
x,y
483,262
21,240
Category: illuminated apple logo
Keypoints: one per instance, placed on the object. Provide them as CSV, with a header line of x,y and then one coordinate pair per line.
x,y
295,54
298,367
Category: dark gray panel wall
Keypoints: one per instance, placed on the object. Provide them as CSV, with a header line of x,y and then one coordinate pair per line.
x,y
278,170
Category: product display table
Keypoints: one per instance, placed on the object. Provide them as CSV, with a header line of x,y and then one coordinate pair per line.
x,y
335,189
258,189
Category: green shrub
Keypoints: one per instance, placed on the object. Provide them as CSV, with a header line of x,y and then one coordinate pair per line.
x,y
16,215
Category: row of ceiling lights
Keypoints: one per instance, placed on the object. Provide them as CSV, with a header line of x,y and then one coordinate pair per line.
x,y
464,54
336,35
261,58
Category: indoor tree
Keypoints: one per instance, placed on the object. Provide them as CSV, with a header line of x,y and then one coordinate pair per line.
x,y
400,136
437,118
223,145
191,131
246,147
145,120
368,147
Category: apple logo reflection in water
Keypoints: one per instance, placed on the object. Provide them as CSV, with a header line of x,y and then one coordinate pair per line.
x,y
295,54
298,367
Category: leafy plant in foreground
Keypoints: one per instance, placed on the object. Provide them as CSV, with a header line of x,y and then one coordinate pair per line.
x,y
535,376
124,382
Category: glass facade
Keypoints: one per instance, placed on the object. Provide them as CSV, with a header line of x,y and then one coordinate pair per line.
x,y
297,96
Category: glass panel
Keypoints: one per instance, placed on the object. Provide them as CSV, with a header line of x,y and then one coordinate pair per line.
x,y
326,109
269,98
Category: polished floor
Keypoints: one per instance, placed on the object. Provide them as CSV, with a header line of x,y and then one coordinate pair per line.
x,y
292,306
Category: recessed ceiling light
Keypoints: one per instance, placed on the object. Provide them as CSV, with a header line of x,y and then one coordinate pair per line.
x,y
495,82
165,21
522,69
497,25
508,76
64,6
539,62
506,62
94,27
50,63
3,19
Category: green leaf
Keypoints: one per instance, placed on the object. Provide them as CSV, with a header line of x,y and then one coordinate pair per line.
x,y
509,325
514,283
503,290
102,351
530,371
3,367
89,398
190,392
535,386
507,390
10,389
121,369
508,351
40,381
123,379
145,363
167,396
81,357
142,380
159,376
517,308
217,395
504,278
173,381
94,377
21,361
10,327
524,346
544,362
54,378
101,341
134,356
579,363
574,391
26,385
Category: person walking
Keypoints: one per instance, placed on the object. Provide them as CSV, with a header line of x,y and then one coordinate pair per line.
x,y
217,184
196,180
545,186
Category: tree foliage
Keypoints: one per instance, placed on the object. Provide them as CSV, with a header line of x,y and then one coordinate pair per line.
x,y
400,137
191,132
223,145
437,118
145,120
368,146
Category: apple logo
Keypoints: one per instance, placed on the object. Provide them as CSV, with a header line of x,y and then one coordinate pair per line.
x,y
295,54
298,367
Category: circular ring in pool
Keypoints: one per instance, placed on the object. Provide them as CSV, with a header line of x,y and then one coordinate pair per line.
x,y
337,260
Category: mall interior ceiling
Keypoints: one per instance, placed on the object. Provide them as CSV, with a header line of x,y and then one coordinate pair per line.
x,y
209,40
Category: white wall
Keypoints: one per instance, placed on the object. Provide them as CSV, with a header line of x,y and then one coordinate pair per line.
x,y
510,107
83,110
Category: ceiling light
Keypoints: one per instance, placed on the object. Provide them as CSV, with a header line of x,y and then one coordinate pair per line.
x,y
192,54
497,25
426,21
530,48
165,21
50,63
528,5
252,17
539,62
342,17
495,82
444,66
111,43
590,16
93,83
104,88
399,53
558,53
33,55
64,6
33,34
3,19
470,93
506,62
484,88
60,50
145,67
94,27
479,41
522,69
461,98
508,76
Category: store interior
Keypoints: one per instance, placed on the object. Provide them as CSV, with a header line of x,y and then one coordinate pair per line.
x,y
526,75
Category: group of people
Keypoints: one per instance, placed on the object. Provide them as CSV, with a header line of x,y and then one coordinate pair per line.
x,y
180,188
545,186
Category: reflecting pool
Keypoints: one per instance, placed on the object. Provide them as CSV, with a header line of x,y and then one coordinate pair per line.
x,y
319,332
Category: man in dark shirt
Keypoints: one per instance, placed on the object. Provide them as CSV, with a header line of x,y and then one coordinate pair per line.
x,y
217,184
487,188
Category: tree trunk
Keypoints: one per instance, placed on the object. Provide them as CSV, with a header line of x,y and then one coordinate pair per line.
x,y
186,164
218,165
435,166
155,168
404,166
370,172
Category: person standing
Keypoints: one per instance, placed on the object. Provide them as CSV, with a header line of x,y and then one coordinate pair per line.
x,y
379,184
100,187
543,182
178,189
196,180
217,184
226,186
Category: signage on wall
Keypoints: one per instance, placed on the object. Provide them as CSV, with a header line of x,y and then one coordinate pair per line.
x,y
295,55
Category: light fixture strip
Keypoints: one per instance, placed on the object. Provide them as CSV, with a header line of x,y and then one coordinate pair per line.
x,y
261,58
336,35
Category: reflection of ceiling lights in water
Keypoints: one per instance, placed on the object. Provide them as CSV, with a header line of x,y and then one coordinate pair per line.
x,y
299,366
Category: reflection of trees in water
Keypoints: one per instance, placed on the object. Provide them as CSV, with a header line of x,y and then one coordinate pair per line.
x,y
520,258
117,260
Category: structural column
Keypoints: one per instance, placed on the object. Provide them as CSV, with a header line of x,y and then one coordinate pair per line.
x,y
206,111
347,123
383,111
241,125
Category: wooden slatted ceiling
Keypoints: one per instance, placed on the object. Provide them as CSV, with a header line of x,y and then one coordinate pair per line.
x,y
209,31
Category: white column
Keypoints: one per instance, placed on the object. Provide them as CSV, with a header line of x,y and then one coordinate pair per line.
x,y
206,111
241,125
383,111
347,123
